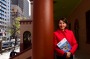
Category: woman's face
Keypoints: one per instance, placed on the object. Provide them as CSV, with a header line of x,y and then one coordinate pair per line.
x,y
62,25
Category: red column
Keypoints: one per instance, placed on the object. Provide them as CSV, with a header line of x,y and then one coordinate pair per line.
x,y
42,47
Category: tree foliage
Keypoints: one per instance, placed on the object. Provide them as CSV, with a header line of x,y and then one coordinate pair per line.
x,y
15,29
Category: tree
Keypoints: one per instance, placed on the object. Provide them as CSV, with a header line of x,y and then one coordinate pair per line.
x,y
15,29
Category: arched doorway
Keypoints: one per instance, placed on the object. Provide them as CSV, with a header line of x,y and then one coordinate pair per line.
x,y
26,39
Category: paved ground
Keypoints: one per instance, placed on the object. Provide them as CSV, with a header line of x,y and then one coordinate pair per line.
x,y
5,55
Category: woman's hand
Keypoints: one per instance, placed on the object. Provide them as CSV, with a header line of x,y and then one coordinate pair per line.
x,y
68,55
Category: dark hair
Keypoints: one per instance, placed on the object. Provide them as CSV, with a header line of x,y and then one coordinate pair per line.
x,y
64,20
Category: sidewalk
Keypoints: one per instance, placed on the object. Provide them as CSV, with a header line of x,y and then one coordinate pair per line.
x,y
5,55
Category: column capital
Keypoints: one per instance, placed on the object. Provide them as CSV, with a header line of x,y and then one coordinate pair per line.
x,y
31,0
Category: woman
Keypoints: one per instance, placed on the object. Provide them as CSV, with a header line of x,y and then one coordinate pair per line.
x,y
61,33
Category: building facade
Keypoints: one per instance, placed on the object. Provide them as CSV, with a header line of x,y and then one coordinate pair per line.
x,y
23,5
4,18
26,8
18,3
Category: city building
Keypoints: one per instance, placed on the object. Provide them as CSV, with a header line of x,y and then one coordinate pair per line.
x,y
26,8
24,5
17,8
18,3
4,18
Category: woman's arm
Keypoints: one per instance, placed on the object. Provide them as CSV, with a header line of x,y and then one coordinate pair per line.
x,y
74,44
57,50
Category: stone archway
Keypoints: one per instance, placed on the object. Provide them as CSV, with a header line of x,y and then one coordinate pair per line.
x,y
26,39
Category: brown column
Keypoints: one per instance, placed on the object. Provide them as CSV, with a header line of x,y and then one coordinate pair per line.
x,y
42,29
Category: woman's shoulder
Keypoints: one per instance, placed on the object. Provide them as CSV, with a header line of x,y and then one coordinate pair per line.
x,y
68,30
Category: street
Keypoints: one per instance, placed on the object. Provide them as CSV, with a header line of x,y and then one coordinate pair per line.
x,y
5,55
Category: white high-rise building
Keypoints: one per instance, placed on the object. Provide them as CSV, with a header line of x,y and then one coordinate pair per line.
x,y
4,17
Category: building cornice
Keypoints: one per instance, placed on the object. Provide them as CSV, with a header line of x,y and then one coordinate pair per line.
x,y
25,21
